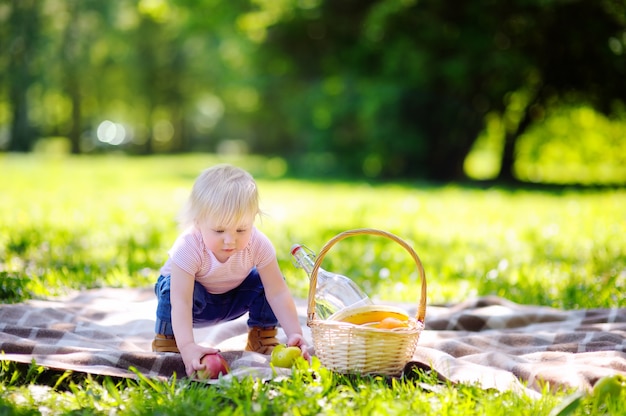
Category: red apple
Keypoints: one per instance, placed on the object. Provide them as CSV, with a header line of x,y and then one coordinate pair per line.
x,y
214,365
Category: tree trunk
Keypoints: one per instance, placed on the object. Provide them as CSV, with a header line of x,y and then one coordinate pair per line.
x,y
72,53
24,29
76,128
507,170
21,138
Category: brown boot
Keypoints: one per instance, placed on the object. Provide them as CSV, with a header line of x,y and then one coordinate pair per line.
x,y
164,343
262,340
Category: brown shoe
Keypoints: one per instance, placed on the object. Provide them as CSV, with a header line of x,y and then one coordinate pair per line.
x,y
164,343
262,340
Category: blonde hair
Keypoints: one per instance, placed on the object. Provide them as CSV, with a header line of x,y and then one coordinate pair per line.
x,y
225,193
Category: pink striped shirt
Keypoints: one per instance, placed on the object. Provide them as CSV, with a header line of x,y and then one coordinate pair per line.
x,y
191,255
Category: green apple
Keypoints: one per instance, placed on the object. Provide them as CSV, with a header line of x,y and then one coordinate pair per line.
x,y
610,386
284,356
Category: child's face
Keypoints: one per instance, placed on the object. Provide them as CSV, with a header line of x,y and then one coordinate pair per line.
x,y
224,241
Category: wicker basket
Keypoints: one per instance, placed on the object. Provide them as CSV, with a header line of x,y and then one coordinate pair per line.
x,y
357,349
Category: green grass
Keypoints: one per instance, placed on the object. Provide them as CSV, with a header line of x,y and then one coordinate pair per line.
x,y
310,390
84,222
109,221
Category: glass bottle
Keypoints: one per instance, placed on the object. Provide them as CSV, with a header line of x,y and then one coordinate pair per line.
x,y
334,291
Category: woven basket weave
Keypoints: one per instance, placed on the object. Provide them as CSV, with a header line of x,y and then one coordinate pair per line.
x,y
357,349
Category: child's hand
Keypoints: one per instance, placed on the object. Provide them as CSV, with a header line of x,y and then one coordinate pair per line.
x,y
297,340
191,354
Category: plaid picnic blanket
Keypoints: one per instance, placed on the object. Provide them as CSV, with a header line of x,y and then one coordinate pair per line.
x,y
490,340
495,342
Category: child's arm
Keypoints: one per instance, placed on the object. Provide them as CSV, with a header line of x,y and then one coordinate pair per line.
x,y
181,298
283,306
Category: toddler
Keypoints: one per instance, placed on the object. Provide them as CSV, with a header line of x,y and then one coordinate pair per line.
x,y
221,267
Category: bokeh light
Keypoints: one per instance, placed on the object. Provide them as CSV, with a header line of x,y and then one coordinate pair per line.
x,y
111,133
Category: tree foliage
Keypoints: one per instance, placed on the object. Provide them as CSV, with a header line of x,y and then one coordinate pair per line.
x,y
403,87
382,88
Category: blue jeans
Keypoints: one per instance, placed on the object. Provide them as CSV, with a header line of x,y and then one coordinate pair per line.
x,y
209,309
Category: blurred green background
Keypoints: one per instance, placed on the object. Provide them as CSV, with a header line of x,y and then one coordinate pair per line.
x,y
516,91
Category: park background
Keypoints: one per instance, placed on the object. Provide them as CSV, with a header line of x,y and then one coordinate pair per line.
x,y
524,91
489,135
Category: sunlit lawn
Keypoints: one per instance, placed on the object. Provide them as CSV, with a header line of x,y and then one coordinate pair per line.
x,y
94,221
108,221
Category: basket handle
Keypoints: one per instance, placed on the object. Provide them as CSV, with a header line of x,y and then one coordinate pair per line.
x,y
421,309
